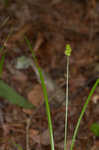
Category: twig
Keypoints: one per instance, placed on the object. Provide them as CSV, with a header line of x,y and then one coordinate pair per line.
x,y
27,133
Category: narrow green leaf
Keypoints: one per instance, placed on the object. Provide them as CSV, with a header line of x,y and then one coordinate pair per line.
x,y
95,129
45,94
1,64
12,96
82,112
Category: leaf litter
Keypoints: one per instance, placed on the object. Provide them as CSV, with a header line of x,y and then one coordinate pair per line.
x,y
50,26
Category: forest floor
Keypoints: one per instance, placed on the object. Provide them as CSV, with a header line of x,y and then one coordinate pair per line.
x,y
50,25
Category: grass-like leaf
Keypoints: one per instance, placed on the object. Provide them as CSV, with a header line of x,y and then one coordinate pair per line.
x,y
7,92
12,96
83,111
45,94
1,64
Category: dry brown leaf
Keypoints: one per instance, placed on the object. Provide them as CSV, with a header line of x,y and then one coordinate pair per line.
x,y
19,76
27,111
39,41
95,146
18,35
35,96
45,138
34,135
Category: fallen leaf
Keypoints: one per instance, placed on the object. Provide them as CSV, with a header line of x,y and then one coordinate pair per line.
x,y
34,135
95,146
35,96
19,76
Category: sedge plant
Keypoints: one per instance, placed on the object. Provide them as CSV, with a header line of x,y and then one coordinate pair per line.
x,y
83,111
67,53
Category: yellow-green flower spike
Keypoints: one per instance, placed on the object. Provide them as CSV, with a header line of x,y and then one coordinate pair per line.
x,y
68,50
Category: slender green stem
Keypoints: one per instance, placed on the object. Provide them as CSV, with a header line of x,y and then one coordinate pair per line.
x,y
68,51
66,116
82,112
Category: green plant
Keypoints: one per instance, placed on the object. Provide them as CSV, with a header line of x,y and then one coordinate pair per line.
x,y
45,94
67,53
1,64
7,92
13,97
82,112
95,129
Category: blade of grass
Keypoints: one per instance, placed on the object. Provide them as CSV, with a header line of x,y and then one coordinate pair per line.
x,y
3,57
4,22
6,40
1,64
82,112
45,95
